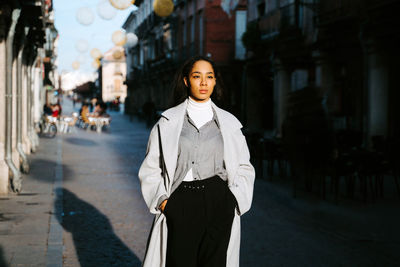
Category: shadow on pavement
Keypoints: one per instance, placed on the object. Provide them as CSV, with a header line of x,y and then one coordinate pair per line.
x,y
95,241
45,170
3,262
80,141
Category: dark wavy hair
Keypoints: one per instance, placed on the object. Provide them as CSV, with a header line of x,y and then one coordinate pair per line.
x,y
180,91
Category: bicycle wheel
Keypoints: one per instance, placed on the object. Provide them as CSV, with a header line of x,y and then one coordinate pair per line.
x,y
41,129
38,128
52,130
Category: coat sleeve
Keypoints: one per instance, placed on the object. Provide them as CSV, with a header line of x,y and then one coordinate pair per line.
x,y
243,183
151,180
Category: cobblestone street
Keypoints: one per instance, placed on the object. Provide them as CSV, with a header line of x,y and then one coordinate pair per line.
x,y
106,223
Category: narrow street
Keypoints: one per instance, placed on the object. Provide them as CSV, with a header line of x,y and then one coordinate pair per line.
x,y
98,216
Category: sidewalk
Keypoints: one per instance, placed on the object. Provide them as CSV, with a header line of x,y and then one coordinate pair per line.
x,y
28,236
280,230
30,232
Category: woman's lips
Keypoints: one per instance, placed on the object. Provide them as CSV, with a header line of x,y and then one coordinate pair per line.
x,y
203,91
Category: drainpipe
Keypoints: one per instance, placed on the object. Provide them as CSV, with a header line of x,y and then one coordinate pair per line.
x,y
29,105
34,139
23,158
30,79
15,175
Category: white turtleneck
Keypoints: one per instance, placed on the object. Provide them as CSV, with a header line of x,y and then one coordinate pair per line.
x,y
200,113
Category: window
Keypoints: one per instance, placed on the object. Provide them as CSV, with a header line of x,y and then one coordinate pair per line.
x,y
117,85
167,39
261,8
192,30
240,50
184,33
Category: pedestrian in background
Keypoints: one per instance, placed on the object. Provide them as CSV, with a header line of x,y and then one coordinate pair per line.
x,y
196,176
93,103
56,110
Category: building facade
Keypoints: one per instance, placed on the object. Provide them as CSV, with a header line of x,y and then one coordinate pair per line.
x,y
196,27
27,42
113,75
344,49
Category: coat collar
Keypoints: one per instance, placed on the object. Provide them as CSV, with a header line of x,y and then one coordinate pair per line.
x,y
224,119
176,112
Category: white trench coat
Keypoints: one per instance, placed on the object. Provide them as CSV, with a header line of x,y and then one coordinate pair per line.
x,y
237,161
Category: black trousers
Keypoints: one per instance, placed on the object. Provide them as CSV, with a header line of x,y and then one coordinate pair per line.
x,y
199,220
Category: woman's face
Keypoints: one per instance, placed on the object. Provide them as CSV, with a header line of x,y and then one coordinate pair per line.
x,y
202,81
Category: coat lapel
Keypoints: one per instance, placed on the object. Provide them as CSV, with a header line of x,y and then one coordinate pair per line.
x,y
227,128
170,132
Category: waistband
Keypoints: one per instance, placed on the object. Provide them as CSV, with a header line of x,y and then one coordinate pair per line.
x,y
204,182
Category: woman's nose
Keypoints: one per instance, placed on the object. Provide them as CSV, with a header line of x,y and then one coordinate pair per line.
x,y
203,81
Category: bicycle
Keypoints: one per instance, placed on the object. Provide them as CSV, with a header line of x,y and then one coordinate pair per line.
x,y
47,126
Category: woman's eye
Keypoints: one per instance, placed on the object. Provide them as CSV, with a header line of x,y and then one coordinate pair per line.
x,y
196,76
211,77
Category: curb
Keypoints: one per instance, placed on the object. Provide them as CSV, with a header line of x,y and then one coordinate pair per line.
x,y
54,257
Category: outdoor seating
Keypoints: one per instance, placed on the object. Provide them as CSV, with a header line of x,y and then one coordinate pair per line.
x,y
364,170
388,160
271,150
67,123
99,122
252,139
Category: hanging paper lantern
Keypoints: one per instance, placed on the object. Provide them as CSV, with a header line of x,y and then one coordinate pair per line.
x,y
163,8
105,10
117,54
85,16
95,53
121,4
131,40
81,58
119,38
96,63
82,45
75,65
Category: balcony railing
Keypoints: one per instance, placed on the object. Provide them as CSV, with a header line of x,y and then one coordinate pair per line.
x,y
331,11
269,24
290,16
281,20
147,24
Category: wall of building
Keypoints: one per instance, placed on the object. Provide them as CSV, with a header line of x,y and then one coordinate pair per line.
x,y
114,75
22,138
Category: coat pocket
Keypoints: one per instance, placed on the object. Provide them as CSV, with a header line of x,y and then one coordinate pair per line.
x,y
169,203
232,197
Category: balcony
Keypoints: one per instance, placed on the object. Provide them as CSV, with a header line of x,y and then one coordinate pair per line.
x,y
334,11
269,25
290,17
281,21
147,25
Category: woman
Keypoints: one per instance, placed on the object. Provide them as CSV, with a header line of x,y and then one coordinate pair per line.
x,y
195,175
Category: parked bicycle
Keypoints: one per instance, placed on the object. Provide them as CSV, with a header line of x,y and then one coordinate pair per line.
x,y
47,126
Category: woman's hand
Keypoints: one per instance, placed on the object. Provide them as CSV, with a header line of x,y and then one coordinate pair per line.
x,y
162,205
